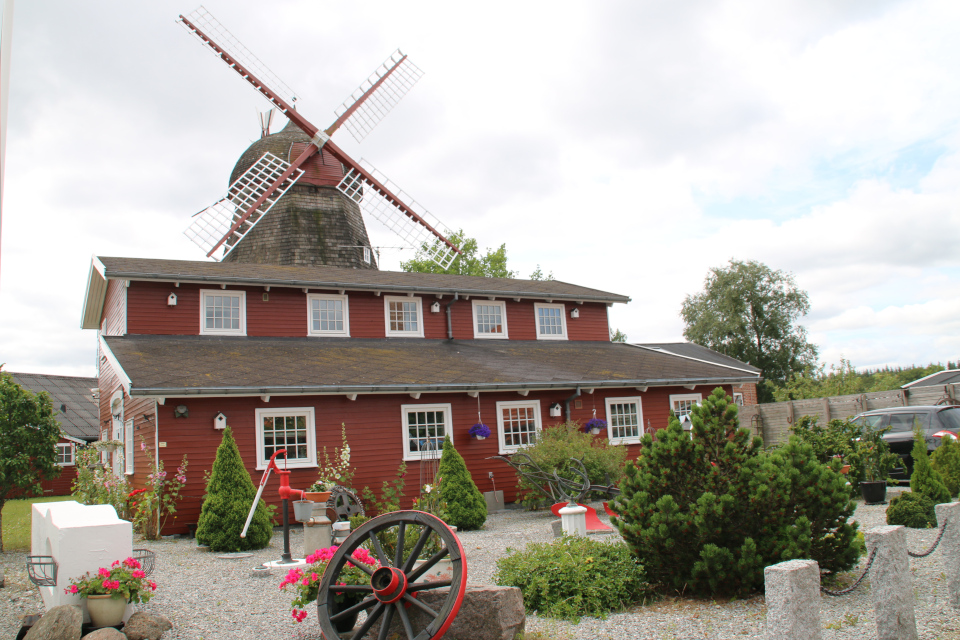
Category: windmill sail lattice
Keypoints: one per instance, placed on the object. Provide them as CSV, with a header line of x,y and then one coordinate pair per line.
x,y
400,75
210,225
373,202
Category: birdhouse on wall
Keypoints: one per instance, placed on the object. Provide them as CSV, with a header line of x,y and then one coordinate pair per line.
x,y
220,422
172,300
555,410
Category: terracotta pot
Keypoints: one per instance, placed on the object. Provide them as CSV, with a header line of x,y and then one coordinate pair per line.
x,y
106,611
316,496
845,468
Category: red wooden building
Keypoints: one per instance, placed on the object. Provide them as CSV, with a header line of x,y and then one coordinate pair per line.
x,y
288,353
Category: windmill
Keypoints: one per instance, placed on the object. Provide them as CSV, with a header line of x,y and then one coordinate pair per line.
x,y
256,187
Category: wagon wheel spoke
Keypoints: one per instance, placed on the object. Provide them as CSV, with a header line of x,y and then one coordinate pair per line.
x,y
357,608
381,556
405,619
350,588
400,540
371,618
417,548
359,565
385,625
427,564
423,607
424,586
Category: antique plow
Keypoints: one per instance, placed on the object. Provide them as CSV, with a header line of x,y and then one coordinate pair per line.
x,y
573,486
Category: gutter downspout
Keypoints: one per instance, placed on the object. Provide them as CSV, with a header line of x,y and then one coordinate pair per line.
x,y
566,403
456,297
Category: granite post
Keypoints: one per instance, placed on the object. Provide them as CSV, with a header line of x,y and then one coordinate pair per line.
x,y
892,583
793,600
949,550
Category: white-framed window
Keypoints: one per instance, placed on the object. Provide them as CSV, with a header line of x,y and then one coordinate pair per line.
x,y
223,312
624,420
682,404
424,428
518,423
288,428
128,447
489,319
404,316
327,315
65,452
551,321
738,398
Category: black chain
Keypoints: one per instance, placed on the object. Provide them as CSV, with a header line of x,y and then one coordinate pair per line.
x,y
843,592
936,542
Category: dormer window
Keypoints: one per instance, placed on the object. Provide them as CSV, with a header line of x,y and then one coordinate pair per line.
x,y
404,317
328,315
551,324
223,312
489,319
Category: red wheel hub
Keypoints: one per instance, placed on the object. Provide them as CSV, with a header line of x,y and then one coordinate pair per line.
x,y
389,584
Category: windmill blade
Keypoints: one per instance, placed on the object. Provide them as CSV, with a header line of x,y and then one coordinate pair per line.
x,y
230,218
382,200
376,96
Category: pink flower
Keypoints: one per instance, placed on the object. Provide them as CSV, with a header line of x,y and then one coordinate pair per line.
x,y
104,572
138,574
153,586
131,563
314,577
143,446
299,615
115,563
71,589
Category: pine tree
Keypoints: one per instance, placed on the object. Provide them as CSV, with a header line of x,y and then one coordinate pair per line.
x,y
946,460
925,480
465,504
230,493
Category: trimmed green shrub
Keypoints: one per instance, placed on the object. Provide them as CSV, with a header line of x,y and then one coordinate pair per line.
x,y
554,448
912,510
707,513
466,509
574,576
925,479
838,438
945,459
230,493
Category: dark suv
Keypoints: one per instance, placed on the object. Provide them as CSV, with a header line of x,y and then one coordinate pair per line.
x,y
935,421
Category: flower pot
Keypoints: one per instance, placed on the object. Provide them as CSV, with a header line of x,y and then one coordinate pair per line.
x,y
316,496
844,469
303,510
480,437
874,492
346,624
595,431
105,610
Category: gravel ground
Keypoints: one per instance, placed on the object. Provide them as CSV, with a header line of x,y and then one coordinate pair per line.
x,y
210,598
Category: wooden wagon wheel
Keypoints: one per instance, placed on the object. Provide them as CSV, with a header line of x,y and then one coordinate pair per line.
x,y
344,503
397,540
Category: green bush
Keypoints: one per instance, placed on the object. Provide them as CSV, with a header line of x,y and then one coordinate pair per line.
x,y
838,438
465,507
230,494
574,576
925,479
708,513
554,448
946,461
912,510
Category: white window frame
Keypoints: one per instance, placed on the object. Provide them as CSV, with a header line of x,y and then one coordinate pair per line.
x,y
445,408
501,432
288,463
346,315
738,398
242,331
70,447
386,317
128,441
626,400
563,320
503,319
696,397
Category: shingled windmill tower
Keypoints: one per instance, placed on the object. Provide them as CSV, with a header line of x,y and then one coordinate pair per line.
x,y
295,198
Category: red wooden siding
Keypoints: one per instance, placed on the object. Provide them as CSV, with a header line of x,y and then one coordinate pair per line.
x,y
285,313
114,321
62,485
374,431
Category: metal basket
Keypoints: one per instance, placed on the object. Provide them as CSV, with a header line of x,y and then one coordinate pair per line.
x,y
42,570
146,558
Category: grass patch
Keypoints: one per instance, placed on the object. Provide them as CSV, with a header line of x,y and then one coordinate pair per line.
x,y
16,521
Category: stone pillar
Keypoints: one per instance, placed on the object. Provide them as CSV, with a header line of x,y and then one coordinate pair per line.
x,y
573,519
950,548
793,600
892,583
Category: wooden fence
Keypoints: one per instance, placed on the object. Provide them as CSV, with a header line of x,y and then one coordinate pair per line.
x,y
773,421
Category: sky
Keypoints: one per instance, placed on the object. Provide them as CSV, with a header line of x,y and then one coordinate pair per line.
x,y
626,146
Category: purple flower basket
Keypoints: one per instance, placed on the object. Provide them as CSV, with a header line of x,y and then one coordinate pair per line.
x,y
480,431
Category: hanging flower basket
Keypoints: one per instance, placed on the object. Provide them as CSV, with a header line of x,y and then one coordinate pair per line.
x,y
480,431
595,425
108,445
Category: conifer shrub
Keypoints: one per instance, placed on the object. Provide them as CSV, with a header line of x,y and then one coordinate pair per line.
x,y
925,479
574,576
707,513
912,510
555,447
230,493
838,438
466,507
945,459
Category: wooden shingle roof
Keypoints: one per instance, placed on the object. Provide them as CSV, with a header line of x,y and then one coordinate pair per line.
x,y
209,365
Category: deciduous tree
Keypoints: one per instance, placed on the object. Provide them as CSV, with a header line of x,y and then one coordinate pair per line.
x,y
493,264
